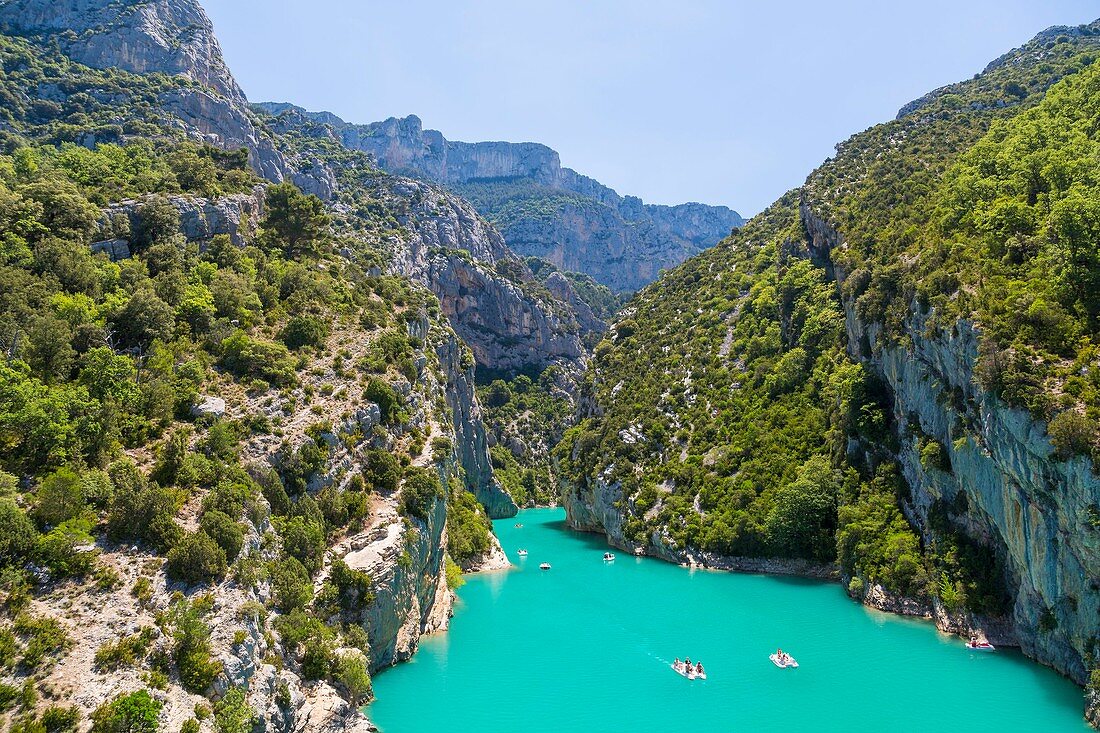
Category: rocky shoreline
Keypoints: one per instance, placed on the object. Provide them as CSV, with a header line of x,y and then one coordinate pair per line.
x,y
998,631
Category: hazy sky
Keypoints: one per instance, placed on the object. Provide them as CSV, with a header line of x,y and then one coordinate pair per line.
x,y
719,101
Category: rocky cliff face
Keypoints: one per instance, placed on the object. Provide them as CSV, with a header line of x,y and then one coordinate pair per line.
x,y
543,209
168,36
1033,509
172,37
509,319
493,301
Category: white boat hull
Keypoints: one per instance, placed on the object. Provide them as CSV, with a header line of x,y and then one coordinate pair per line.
x,y
690,674
783,663
981,647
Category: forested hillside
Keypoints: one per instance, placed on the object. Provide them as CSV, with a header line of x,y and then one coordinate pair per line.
x,y
240,455
845,379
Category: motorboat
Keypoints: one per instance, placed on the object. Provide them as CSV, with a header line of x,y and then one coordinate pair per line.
x,y
783,661
688,670
980,646
522,553
544,566
609,557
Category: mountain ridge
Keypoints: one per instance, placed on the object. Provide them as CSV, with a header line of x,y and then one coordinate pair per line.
x,y
543,208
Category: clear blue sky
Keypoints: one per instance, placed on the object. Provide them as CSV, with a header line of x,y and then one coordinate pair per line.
x,y
719,101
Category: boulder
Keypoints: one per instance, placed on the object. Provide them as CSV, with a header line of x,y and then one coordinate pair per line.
x,y
209,407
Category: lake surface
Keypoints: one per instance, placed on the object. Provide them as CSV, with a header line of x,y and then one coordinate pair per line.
x,y
587,646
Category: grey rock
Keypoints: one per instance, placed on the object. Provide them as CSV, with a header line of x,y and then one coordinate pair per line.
x,y
201,219
173,37
115,249
209,407
618,240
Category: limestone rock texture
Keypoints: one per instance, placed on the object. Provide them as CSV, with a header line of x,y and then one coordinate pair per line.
x,y
542,208
1031,507
173,37
201,219
509,320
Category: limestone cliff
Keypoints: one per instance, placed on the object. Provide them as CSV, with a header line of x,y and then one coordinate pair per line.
x,y
542,208
173,37
1031,507
509,319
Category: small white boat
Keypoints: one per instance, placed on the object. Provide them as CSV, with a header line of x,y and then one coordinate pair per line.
x,y
544,566
980,646
609,557
522,553
688,671
783,661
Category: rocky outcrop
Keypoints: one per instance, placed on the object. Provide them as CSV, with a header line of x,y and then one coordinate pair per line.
x,y
491,298
572,220
169,36
1031,508
201,219
172,37
471,443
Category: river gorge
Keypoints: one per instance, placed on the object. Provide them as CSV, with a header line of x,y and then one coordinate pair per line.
x,y
589,644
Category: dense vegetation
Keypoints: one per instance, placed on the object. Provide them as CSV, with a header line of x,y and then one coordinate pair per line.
x,y
731,414
526,418
103,362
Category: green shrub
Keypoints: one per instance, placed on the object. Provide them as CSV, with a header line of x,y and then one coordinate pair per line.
x,y
136,712
353,586
44,638
196,559
381,471
316,659
60,497
228,534
57,719
65,549
304,539
291,586
266,360
419,492
304,331
350,670
383,395
1071,434
232,713
18,536
468,528
191,650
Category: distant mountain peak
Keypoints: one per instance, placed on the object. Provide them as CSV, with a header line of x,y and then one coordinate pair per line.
x,y
543,208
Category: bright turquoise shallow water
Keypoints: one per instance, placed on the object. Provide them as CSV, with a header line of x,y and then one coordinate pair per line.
x,y
586,646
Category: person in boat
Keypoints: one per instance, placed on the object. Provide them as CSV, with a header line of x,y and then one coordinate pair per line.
x,y
687,664
677,664
699,668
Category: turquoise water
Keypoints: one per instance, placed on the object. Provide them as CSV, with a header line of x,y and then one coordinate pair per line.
x,y
586,646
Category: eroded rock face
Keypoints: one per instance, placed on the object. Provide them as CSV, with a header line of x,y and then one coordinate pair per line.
x,y
201,219
490,297
173,37
471,443
1027,505
170,36
579,225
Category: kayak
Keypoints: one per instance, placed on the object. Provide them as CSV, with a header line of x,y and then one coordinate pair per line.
x,y
609,556
522,553
980,646
544,566
786,661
